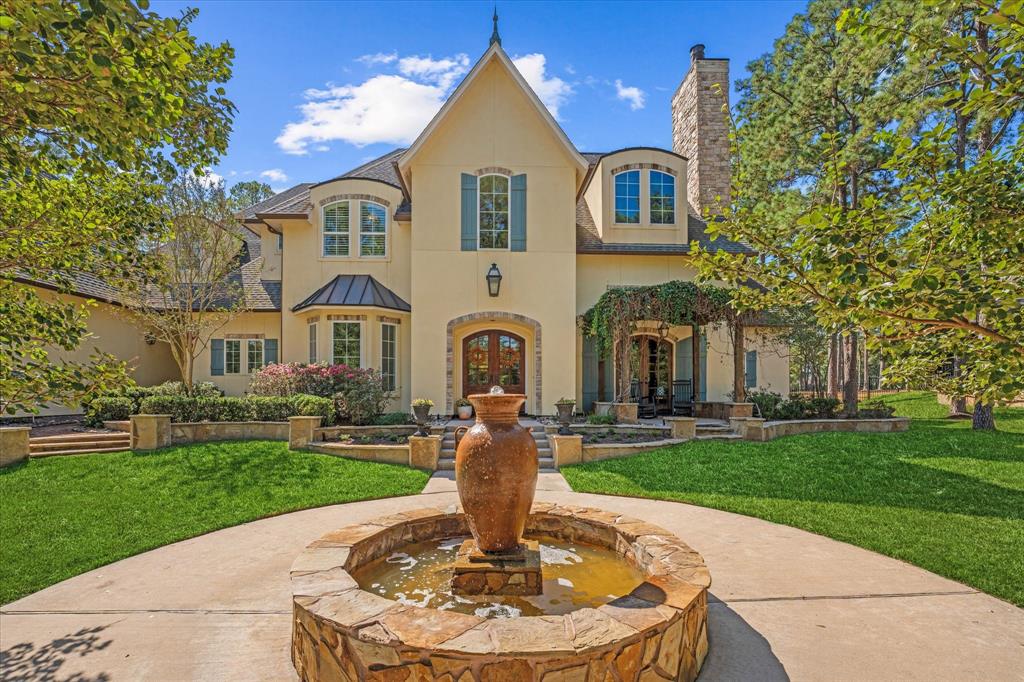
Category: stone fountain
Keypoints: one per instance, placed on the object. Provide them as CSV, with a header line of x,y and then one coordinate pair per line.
x,y
501,588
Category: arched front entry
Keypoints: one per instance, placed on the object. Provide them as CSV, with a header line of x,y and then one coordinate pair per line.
x,y
493,357
651,366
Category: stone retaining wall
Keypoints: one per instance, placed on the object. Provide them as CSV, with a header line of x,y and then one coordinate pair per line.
x,y
757,429
598,451
201,432
327,432
713,410
421,452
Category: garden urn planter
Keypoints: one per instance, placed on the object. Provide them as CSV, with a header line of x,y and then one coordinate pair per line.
x,y
421,413
496,472
465,411
565,411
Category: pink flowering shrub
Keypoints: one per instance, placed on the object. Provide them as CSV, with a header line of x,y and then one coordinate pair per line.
x,y
358,394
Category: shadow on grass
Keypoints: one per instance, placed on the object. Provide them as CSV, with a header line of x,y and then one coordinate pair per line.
x,y
27,661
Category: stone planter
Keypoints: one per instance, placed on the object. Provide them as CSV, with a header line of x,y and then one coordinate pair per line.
x,y
625,413
13,444
465,411
565,411
421,413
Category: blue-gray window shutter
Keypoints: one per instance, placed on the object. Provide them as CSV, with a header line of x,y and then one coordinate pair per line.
x,y
684,359
703,367
469,221
270,352
517,213
751,368
216,357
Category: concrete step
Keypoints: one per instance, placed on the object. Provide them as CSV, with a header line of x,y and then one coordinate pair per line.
x,y
78,446
89,451
719,436
78,437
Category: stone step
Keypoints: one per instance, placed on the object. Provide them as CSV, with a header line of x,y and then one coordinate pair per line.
x,y
53,453
719,436
78,446
78,437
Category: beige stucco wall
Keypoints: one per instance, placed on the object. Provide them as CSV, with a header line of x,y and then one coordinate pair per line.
x,y
600,197
772,360
493,124
114,334
267,325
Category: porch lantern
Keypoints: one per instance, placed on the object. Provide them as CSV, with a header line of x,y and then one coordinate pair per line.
x,y
493,280
663,330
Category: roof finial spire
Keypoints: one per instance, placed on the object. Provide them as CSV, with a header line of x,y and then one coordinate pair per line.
x,y
495,38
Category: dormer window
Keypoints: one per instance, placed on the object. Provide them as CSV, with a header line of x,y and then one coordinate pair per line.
x,y
493,205
373,228
663,198
335,231
627,197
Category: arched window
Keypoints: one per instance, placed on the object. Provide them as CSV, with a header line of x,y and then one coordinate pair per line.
x,y
493,204
373,230
627,197
335,230
663,198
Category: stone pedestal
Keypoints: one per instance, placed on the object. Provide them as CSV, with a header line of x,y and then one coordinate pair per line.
x,y
749,428
682,427
625,413
515,573
300,431
567,449
13,444
150,431
424,452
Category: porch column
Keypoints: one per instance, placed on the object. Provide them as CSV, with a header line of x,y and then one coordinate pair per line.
x,y
739,364
696,363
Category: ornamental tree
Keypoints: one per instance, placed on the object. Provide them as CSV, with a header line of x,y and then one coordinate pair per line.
x,y
100,101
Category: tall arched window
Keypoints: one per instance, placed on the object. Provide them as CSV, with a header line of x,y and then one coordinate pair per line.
x,y
493,205
627,197
663,198
335,230
373,230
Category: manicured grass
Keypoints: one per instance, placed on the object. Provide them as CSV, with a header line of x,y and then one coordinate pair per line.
x,y
939,496
62,516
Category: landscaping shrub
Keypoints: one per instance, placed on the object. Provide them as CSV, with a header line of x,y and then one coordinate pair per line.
x,y
270,408
181,408
358,394
875,409
304,405
200,389
601,419
362,397
772,406
766,402
112,408
392,419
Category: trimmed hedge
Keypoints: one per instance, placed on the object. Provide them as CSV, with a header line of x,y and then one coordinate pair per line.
x,y
113,408
184,408
393,419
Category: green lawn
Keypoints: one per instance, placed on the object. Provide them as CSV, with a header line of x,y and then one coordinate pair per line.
x,y
939,496
61,516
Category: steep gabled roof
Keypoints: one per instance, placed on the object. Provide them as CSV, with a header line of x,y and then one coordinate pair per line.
x,y
354,290
493,53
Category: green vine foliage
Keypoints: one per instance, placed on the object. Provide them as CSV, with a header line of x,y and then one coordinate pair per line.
x,y
616,313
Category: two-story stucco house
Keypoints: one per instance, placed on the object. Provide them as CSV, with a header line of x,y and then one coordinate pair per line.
x,y
395,265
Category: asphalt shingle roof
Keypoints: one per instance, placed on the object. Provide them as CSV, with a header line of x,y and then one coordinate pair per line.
x,y
354,290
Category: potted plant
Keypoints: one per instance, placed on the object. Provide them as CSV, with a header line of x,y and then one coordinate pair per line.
x,y
464,408
421,410
565,407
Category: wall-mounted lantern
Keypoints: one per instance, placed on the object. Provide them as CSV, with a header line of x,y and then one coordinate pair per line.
x,y
493,280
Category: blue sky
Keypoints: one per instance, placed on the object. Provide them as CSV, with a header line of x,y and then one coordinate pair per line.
x,y
322,86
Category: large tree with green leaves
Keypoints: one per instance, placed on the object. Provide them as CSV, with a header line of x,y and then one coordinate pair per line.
x,y
928,255
242,195
101,100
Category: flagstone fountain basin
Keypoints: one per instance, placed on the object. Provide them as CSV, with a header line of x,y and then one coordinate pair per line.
x,y
655,629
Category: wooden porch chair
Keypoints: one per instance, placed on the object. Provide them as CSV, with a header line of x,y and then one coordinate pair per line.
x,y
682,397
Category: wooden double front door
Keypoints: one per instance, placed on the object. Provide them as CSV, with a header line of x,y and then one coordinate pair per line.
x,y
493,358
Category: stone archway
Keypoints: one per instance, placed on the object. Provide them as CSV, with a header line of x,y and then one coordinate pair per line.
x,y
497,317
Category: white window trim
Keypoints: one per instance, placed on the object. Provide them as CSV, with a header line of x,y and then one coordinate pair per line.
x,y
241,357
324,232
278,242
262,356
640,197
313,344
650,198
397,329
385,233
362,338
479,182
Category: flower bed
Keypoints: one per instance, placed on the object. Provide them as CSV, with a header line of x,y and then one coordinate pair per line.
x,y
592,436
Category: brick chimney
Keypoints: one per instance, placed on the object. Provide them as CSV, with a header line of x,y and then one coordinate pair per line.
x,y
700,130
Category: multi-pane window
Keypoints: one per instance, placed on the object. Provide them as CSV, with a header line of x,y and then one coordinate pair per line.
x,y
336,229
389,355
232,356
627,197
663,198
280,242
493,233
312,343
253,355
373,222
346,346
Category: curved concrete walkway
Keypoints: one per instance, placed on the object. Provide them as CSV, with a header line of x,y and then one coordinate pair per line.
x,y
787,605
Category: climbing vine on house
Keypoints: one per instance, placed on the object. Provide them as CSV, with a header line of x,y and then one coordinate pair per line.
x,y
617,312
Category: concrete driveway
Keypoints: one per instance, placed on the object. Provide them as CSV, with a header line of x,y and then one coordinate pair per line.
x,y
787,605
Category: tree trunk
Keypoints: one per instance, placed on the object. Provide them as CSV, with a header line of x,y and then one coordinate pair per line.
x,y
850,385
739,367
696,366
833,366
622,369
957,403
984,419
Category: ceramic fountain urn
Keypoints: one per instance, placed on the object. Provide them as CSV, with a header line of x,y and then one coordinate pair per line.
x,y
496,474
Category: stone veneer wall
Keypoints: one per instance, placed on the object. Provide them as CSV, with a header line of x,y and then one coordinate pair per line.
x,y
199,432
657,632
700,130
756,429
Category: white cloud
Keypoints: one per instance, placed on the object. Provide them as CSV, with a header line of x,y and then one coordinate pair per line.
x,y
274,175
379,58
441,72
553,91
634,95
209,179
